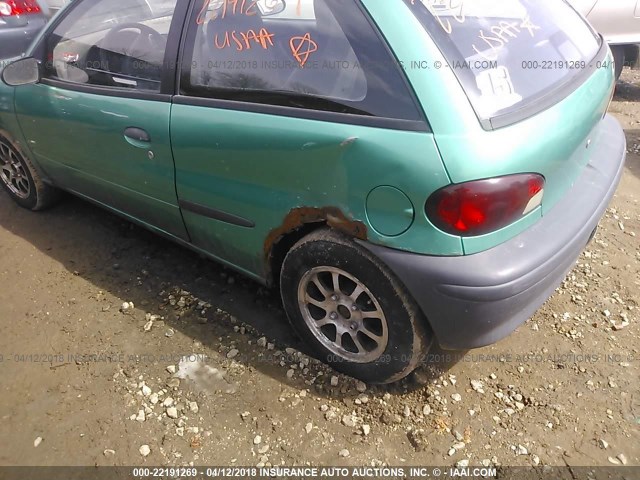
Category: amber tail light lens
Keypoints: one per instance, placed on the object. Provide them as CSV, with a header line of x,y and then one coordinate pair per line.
x,y
484,206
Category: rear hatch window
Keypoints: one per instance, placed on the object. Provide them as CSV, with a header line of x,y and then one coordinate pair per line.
x,y
510,54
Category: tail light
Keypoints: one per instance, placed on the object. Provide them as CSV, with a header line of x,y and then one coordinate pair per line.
x,y
483,206
11,8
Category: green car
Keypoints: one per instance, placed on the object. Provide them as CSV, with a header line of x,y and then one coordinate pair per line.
x,y
406,172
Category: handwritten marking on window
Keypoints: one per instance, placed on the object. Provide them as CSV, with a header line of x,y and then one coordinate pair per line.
x,y
452,8
247,7
528,25
501,34
229,7
202,15
245,40
302,48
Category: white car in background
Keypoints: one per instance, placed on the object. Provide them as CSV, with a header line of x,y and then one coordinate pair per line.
x,y
619,23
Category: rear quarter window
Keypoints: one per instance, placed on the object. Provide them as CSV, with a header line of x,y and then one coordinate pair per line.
x,y
509,53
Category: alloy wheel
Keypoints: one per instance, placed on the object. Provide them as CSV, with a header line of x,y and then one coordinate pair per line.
x,y
13,173
343,314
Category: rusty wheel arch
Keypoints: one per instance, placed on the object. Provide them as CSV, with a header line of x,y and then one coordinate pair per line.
x,y
298,223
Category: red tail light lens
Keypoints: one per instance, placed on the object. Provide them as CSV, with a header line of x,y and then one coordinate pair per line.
x,y
483,206
11,8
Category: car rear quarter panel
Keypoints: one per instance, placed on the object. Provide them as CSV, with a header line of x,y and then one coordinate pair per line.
x,y
263,167
552,142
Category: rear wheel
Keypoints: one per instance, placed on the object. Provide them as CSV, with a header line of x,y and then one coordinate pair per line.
x,y
21,180
351,310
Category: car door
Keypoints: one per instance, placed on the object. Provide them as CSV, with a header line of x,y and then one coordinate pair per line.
x,y
286,112
98,122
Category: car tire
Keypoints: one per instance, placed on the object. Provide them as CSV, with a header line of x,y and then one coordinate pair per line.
x,y
383,334
22,181
618,57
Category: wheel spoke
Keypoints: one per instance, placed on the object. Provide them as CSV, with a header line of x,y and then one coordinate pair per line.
x,y
358,344
376,314
318,283
324,322
371,335
336,282
309,299
23,185
357,292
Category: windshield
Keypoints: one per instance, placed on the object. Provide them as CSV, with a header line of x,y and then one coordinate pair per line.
x,y
508,53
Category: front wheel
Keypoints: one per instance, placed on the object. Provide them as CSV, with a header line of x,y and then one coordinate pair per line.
x,y
351,310
22,181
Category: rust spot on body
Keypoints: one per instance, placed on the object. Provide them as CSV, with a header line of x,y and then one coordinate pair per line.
x,y
299,217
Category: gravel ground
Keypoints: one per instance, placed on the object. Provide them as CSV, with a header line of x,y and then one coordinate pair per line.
x,y
119,348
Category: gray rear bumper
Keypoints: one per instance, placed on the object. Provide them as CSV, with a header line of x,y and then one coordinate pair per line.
x,y
475,300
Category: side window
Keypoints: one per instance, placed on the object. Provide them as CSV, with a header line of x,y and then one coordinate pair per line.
x,y
313,54
115,43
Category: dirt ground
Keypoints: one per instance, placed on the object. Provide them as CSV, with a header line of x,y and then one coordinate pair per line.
x,y
202,368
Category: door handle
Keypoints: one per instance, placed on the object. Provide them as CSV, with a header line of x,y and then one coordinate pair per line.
x,y
137,137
